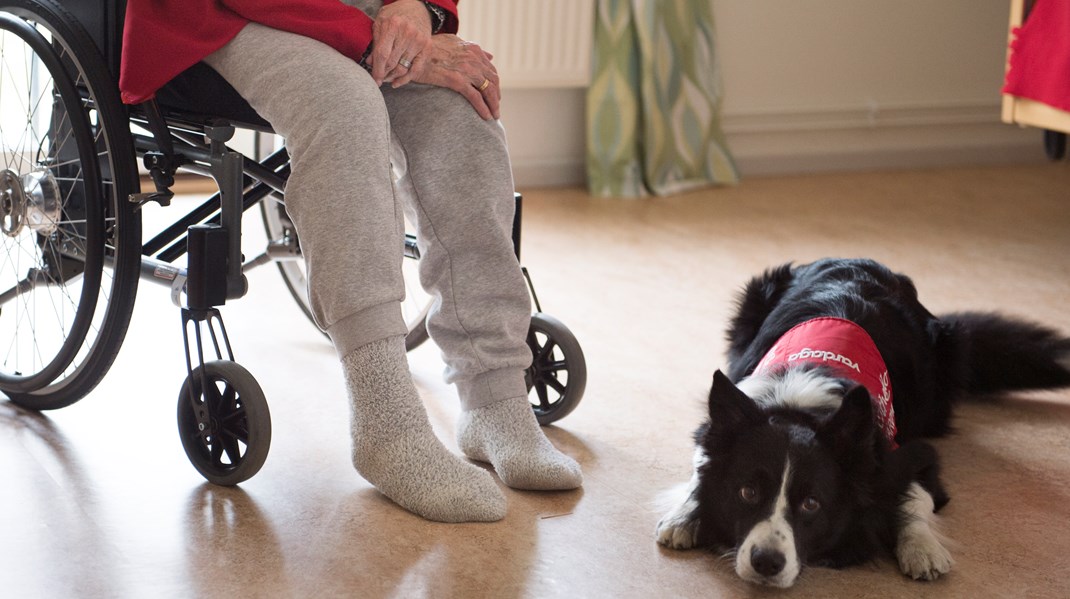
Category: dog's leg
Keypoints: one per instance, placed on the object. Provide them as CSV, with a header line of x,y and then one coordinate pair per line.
x,y
678,529
919,551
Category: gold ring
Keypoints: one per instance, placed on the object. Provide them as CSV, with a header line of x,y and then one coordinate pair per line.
x,y
486,82
405,63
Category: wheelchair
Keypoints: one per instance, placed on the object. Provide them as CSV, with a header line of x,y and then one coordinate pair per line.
x,y
71,233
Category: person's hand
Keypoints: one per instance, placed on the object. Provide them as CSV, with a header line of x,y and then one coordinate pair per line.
x,y
462,66
400,36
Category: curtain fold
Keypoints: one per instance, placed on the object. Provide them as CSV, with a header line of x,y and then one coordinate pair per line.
x,y
653,107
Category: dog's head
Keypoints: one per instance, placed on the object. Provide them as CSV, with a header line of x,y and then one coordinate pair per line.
x,y
784,487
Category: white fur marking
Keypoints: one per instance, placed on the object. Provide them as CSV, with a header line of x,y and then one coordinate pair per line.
x,y
772,534
919,550
678,529
804,389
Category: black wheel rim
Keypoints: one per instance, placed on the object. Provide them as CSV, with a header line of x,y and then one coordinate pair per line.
x,y
220,447
548,373
79,231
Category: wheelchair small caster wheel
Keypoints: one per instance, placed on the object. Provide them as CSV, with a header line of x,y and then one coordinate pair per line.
x,y
558,372
224,422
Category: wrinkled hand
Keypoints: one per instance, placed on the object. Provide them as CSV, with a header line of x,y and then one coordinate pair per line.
x,y
401,32
462,66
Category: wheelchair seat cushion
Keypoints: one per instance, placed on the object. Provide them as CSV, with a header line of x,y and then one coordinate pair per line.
x,y
200,93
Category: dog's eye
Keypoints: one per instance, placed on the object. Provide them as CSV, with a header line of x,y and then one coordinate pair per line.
x,y
810,505
748,494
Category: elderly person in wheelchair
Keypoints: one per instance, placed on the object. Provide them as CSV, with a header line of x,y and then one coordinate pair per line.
x,y
344,82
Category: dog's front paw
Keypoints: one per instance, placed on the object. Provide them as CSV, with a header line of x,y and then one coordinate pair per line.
x,y
677,530
921,556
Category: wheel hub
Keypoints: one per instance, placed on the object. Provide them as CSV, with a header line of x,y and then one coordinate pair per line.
x,y
44,207
12,203
206,422
31,200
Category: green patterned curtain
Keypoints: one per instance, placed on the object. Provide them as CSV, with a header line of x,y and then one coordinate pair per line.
x,y
653,107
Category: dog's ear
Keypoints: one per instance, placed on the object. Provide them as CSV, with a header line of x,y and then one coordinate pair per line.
x,y
728,405
852,425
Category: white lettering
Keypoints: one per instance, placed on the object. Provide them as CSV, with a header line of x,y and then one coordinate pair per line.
x,y
825,356
885,409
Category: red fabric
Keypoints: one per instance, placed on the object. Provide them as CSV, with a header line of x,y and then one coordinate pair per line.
x,y
1040,55
848,350
162,38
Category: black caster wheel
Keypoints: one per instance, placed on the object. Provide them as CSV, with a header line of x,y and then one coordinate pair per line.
x,y
1054,144
232,444
558,372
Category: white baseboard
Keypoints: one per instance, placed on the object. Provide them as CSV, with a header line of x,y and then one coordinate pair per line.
x,y
869,138
877,159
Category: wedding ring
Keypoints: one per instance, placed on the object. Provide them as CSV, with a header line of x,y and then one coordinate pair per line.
x,y
486,82
405,62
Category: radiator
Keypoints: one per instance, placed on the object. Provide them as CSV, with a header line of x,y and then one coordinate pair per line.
x,y
536,44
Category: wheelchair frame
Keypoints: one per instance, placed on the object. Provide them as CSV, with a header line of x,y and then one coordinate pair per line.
x,y
75,211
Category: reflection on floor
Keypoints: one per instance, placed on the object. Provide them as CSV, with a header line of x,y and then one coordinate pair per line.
x,y
98,500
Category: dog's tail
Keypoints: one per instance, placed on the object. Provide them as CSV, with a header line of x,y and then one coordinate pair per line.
x,y
998,353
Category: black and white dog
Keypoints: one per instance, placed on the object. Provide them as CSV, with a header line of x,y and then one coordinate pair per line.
x,y
811,453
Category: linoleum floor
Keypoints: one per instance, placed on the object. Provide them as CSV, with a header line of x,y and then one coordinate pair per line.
x,y
98,499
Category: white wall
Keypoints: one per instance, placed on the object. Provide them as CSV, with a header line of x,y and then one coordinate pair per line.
x,y
823,85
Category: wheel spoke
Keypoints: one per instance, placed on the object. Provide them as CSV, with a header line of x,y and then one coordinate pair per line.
x,y
214,403
557,366
215,451
544,399
226,415
556,384
234,423
230,445
546,351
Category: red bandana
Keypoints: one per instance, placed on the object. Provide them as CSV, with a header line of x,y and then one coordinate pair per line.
x,y
848,350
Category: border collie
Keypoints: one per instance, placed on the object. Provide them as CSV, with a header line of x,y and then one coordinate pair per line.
x,y
811,454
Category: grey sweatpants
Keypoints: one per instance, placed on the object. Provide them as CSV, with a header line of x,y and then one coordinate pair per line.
x,y
341,196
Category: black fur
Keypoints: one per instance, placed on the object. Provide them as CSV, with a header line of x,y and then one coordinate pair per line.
x,y
840,460
849,467
932,361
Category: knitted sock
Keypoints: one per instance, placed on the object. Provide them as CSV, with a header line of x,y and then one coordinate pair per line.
x,y
395,448
507,435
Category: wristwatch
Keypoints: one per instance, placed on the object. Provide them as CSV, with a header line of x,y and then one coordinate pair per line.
x,y
438,21
438,16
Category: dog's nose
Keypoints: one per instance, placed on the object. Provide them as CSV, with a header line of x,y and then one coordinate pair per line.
x,y
767,562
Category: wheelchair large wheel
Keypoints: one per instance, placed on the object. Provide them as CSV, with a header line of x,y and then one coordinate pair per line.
x,y
69,239
417,302
224,423
558,372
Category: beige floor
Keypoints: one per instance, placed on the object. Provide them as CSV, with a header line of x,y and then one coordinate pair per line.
x,y
98,500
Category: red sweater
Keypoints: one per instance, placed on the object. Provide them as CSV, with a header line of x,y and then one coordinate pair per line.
x,y
162,38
